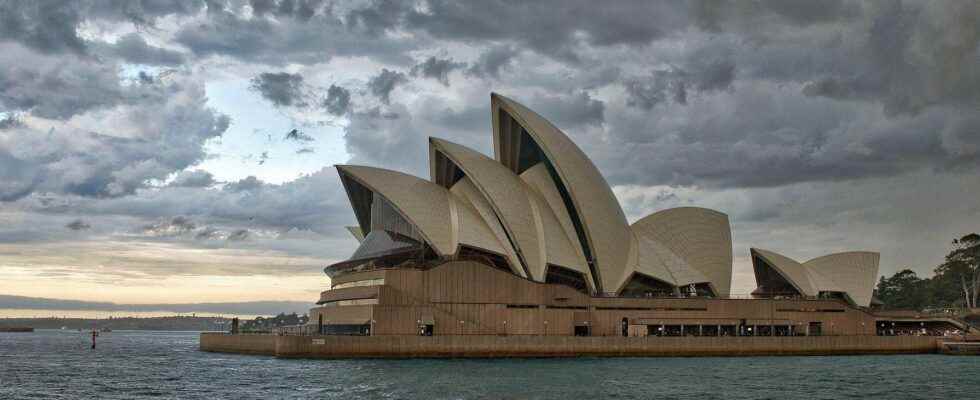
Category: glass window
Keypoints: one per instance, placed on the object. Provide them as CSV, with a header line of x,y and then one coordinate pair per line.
x,y
366,282
358,302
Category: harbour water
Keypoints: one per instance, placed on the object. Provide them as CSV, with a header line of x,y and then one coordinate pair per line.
x,y
140,364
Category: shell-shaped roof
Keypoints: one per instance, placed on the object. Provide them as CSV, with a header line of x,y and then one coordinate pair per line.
x,y
443,220
604,229
852,272
466,192
789,269
658,261
356,232
700,236
559,249
539,180
507,196
421,202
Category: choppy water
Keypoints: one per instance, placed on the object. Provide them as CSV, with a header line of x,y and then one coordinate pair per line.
x,y
126,365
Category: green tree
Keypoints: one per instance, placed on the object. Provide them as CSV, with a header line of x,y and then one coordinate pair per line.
x,y
958,278
904,290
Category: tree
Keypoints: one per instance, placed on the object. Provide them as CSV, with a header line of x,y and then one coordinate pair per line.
x,y
904,290
962,268
956,282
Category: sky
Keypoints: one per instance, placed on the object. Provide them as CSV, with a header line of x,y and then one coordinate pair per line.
x,y
181,151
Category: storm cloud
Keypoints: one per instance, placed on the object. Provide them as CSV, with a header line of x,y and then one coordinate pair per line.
x,y
281,88
187,123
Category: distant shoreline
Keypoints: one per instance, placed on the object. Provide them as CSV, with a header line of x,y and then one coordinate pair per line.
x,y
166,323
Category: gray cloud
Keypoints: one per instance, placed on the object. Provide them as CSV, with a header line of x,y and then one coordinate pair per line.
x,y
571,111
386,138
544,27
278,42
301,10
281,88
788,138
298,136
493,60
384,83
337,101
196,178
47,26
56,87
437,68
708,69
175,226
239,235
133,49
10,121
780,113
247,184
78,225
156,128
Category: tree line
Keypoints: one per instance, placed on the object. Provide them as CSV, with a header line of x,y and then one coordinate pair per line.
x,y
955,283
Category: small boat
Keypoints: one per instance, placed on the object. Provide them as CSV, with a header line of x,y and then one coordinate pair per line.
x,y
106,330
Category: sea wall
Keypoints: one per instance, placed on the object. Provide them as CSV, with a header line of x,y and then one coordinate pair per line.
x,y
244,344
560,346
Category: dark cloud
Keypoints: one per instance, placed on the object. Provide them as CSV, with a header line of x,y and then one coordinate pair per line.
x,y
281,88
718,16
132,48
145,78
377,18
156,128
19,177
49,26
708,69
196,178
659,87
142,13
298,136
175,226
779,112
337,101
771,136
384,83
571,111
265,40
493,60
386,138
301,10
248,184
544,26
56,87
437,68
314,202
10,121
78,225
239,235
208,233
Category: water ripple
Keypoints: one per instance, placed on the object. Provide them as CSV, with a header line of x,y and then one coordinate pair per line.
x,y
128,365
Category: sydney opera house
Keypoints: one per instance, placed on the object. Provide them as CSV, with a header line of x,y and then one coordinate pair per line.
x,y
532,241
